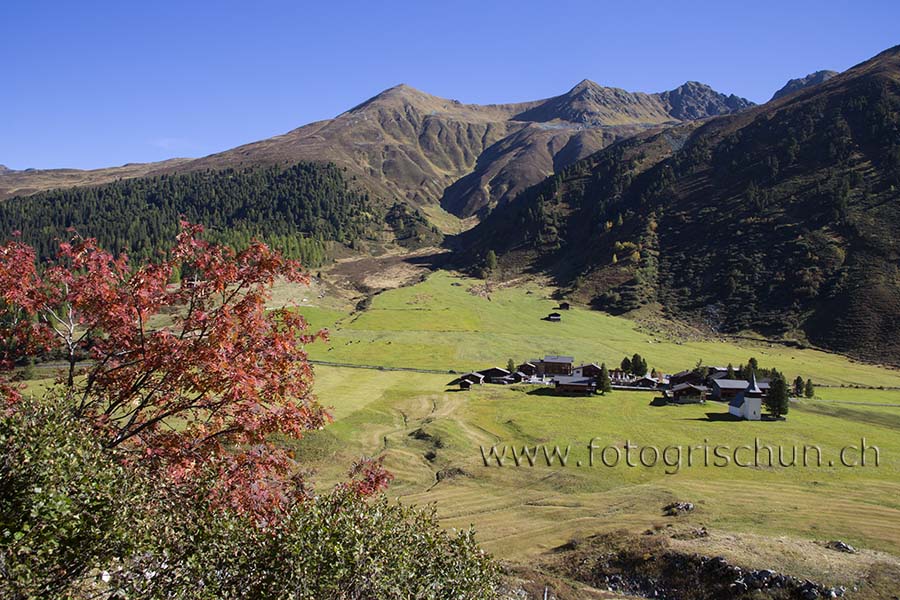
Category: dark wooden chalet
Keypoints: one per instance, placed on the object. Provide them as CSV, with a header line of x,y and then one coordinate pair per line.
x,y
693,377
494,373
528,368
646,382
574,385
556,365
688,393
473,378
726,390
554,316
589,370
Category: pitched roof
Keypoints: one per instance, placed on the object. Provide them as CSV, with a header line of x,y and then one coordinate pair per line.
x,y
553,358
684,386
484,372
731,384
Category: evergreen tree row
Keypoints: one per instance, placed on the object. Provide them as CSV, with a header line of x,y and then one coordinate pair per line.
x,y
304,210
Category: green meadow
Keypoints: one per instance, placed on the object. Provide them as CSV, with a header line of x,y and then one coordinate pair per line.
x,y
442,323
432,435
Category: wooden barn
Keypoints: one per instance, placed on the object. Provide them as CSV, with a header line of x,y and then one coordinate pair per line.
x,y
574,385
556,365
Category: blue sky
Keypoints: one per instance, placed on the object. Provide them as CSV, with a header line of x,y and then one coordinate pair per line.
x,y
87,83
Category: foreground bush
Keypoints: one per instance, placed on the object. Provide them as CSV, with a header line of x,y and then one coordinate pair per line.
x,y
152,469
75,522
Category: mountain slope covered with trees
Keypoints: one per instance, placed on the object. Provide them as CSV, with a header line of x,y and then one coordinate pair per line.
x,y
407,146
783,219
304,210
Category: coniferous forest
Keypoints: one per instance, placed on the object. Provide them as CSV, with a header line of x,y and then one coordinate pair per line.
x,y
304,210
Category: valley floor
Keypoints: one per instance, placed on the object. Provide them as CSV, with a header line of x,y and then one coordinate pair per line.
x,y
433,436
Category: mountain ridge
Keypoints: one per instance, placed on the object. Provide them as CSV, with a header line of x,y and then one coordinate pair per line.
x,y
782,219
406,145
795,85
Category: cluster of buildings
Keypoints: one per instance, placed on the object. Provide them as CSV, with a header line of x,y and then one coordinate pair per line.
x,y
559,372
744,398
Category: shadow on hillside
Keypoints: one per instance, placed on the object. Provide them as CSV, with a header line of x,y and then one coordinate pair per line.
x,y
659,401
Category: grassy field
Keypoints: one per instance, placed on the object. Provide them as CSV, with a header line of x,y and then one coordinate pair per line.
x,y
443,323
522,511
432,435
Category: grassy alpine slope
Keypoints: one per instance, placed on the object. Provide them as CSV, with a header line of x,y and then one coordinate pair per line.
x,y
431,435
447,322
782,218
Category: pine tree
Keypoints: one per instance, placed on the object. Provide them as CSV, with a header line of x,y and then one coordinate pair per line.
x,y
626,365
777,400
604,383
809,391
798,386
730,374
511,365
638,365
490,262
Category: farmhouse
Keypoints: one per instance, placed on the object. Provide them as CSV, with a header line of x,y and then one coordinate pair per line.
x,y
589,370
563,306
554,317
646,382
555,365
494,374
468,380
528,368
748,404
689,393
726,390
693,377
574,384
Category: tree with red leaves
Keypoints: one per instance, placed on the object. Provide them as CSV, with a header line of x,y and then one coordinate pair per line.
x,y
187,378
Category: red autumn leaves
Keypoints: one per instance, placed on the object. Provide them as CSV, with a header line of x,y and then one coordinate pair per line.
x,y
192,379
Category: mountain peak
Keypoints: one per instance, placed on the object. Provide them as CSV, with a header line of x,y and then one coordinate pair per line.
x,y
400,94
695,100
795,85
585,84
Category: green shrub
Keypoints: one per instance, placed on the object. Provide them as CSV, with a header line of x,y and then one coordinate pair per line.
x,y
76,522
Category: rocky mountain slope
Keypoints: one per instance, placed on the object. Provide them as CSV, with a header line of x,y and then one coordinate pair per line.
x,y
409,146
784,218
795,85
